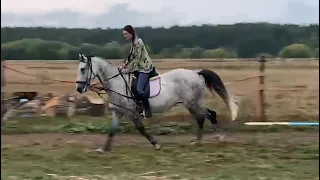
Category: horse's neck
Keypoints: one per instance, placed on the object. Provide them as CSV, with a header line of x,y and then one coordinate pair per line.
x,y
107,71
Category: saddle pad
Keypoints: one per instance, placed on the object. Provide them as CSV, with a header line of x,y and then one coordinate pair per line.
x,y
155,86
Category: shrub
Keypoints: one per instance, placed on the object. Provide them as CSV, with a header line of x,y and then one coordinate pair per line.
x,y
217,53
195,52
114,50
35,49
316,52
185,53
296,51
90,49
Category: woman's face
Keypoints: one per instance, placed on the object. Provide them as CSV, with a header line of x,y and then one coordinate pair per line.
x,y
127,35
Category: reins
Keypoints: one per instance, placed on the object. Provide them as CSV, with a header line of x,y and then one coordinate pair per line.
x,y
98,90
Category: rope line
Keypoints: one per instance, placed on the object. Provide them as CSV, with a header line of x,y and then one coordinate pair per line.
x,y
31,75
97,88
62,81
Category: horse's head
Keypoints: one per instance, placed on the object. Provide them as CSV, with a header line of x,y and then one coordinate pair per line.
x,y
86,73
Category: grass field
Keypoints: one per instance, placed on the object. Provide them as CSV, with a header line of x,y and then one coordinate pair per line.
x,y
58,148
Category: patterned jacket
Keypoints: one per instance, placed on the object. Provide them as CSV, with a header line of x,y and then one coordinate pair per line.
x,y
139,59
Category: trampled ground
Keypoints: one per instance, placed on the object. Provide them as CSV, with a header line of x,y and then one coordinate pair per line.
x,y
245,156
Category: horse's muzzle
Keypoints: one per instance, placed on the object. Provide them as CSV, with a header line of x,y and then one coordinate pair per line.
x,y
81,88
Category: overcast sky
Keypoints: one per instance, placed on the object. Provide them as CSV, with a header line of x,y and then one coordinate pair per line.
x,y
117,13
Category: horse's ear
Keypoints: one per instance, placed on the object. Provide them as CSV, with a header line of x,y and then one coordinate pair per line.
x,y
82,58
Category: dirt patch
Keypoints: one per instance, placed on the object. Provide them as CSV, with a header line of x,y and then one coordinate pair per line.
x,y
46,67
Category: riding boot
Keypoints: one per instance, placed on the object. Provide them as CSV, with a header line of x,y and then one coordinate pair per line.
x,y
147,109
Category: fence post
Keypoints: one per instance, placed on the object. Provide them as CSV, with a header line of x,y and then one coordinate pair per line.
x,y
3,79
261,99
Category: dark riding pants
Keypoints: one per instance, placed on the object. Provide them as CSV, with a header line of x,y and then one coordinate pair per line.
x,y
143,84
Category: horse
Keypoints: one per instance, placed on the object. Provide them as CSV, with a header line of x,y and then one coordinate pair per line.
x,y
165,91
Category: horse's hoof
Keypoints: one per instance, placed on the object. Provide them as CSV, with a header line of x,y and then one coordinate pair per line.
x,y
195,143
219,137
100,150
157,146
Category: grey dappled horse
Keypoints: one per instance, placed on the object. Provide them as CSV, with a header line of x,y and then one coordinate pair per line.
x,y
166,90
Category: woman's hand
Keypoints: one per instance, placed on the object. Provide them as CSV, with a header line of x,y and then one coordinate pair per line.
x,y
124,69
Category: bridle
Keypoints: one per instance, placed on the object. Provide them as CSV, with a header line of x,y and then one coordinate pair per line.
x,y
94,88
87,82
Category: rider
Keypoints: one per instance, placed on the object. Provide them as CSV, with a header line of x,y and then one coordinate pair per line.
x,y
140,64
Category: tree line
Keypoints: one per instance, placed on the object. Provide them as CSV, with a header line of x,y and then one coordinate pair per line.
x,y
243,40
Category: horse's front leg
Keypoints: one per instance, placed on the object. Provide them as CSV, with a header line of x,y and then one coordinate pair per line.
x,y
140,127
116,116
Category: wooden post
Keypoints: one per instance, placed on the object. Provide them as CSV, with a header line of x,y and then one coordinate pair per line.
x,y
3,79
261,100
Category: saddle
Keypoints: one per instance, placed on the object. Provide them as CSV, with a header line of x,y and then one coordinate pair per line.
x,y
152,88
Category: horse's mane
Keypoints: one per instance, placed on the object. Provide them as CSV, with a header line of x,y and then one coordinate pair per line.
x,y
91,56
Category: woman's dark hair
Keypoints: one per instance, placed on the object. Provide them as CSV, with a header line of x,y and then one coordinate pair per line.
x,y
130,30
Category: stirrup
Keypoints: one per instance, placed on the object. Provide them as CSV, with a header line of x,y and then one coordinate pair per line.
x,y
143,114
141,111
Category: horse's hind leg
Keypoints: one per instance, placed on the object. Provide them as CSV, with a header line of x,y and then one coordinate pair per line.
x,y
212,116
199,115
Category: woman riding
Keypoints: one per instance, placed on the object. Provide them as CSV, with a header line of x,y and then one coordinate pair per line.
x,y
140,64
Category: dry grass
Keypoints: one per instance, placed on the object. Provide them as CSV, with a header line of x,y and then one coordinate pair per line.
x,y
281,105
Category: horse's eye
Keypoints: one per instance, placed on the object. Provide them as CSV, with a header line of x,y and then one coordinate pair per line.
x,y
82,69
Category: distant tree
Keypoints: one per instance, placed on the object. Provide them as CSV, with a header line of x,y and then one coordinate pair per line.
x,y
252,47
245,39
266,55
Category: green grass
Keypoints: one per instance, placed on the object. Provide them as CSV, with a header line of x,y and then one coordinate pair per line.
x,y
159,125
245,160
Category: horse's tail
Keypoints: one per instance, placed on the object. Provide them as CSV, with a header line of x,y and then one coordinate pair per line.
x,y
214,83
